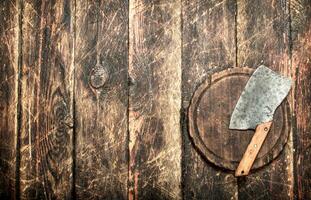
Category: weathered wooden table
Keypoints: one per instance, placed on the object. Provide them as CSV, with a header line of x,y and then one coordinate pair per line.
x,y
94,98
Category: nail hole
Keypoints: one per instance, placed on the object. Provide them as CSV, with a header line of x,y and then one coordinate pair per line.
x,y
242,172
266,129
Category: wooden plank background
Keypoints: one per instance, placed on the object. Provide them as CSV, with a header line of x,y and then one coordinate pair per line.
x,y
101,99
208,46
9,97
155,99
301,65
94,96
263,38
46,100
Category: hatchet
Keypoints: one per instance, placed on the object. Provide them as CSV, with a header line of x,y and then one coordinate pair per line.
x,y
263,93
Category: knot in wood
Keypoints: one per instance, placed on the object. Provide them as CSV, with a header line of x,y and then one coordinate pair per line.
x,y
99,76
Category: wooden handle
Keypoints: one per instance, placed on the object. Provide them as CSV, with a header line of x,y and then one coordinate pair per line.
x,y
252,149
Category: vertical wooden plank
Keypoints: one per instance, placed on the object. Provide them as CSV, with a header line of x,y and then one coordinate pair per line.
x,y
9,49
301,54
263,38
208,46
155,98
101,97
47,93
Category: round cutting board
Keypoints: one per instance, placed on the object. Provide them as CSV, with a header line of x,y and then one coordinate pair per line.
x,y
209,116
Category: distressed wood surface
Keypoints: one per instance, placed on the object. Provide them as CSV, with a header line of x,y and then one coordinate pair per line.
x,y
101,99
155,99
263,38
46,108
9,60
94,97
301,63
208,46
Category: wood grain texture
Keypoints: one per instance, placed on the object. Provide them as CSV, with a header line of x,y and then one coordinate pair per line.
x,y
155,99
208,46
47,92
101,99
9,53
263,38
94,97
301,63
253,148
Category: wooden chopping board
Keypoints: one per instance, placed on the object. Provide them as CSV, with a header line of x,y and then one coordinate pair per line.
x,y
209,115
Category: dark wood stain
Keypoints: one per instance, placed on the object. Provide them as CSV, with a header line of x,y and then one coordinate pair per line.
x,y
154,129
47,100
301,63
101,49
94,97
208,46
263,38
8,97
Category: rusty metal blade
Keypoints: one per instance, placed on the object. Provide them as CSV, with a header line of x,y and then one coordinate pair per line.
x,y
263,93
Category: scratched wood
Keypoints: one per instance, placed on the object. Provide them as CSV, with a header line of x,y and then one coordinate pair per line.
x,y
74,125
263,38
155,98
46,108
301,64
208,46
9,51
101,96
